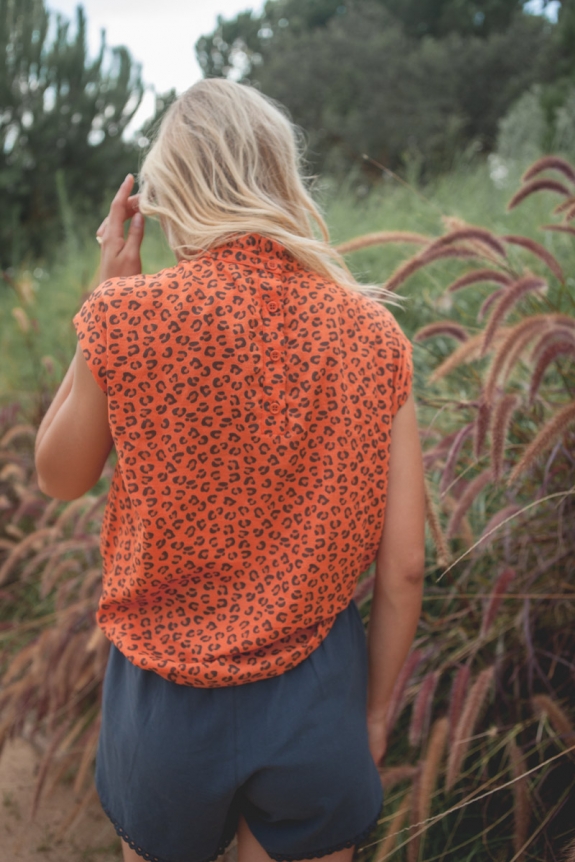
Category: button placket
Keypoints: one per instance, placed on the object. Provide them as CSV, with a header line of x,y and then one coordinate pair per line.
x,y
274,309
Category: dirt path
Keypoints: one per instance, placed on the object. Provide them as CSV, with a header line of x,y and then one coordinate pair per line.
x,y
91,838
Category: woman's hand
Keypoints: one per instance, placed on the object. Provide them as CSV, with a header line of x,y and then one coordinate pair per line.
x,y
121,257
377,735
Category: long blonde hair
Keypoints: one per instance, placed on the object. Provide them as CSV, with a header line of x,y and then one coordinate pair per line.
x,y
226,162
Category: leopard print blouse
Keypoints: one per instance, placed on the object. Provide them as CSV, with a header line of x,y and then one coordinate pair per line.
x,y
250,402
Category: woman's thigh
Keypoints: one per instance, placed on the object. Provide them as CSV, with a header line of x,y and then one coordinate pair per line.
x,y
250,849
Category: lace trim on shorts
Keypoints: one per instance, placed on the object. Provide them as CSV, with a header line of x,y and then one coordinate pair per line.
x,y
283,857
149,857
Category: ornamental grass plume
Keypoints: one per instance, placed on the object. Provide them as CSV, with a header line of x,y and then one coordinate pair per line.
x,y
422,259
564,206
381,238
547,435
481,426
507,301
558,718
475,276
391,776
553,352
448,473
397,699
395,827
560,228
537,186
441,327
521,804
414,839
53,664
494,296
466,500
459,689
549,163
497,595
424,789
500,422
539,251
421,710
495,521
432,518
466,725
512,343
466,352
476,234
554,333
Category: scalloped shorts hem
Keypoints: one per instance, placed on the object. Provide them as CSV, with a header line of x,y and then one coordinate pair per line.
x,y
227,840
317,854
150,857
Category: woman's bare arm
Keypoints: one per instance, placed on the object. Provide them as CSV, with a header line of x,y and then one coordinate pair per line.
x,y
74,438
396,604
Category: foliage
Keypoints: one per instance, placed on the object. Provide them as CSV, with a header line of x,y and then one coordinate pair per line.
x,y
62,116
492,670
360,80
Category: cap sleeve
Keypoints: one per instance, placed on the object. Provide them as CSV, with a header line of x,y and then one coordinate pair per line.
x,y
399,363
92,330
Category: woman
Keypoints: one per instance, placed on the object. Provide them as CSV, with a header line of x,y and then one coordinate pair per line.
x,y
259,404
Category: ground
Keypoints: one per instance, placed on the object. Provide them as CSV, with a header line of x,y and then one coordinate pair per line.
x,y
91,838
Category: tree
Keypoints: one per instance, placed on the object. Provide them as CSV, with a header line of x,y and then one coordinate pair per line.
x,y
359,81
61,124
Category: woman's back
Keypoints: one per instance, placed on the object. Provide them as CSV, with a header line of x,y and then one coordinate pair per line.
x,y
250,401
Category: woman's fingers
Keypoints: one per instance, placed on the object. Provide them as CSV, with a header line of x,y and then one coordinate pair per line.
x,y
120,210
102,228
135,236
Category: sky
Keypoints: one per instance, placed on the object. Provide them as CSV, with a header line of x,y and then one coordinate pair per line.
x,y
160,34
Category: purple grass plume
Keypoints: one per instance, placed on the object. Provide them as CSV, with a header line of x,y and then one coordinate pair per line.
x,y
422,707
521,803
397,700
449,470
549,163
381,238
459,688
540,185
475,276
500,422
493,297
559,228
539,251
466,725
466,500
547,435
497,595
553,352
511,296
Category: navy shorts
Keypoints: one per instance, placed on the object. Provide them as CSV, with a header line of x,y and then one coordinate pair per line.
x,y
177,765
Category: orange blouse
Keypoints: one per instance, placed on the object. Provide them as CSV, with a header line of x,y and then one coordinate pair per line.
x,y
250,401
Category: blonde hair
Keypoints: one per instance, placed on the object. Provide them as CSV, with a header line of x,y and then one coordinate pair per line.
x,y
227,162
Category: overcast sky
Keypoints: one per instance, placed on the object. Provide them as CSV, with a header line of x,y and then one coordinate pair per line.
x,y
160,34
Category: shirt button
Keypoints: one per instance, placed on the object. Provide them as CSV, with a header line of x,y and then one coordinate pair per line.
x,y
272,306
274,407
275,355
272,265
